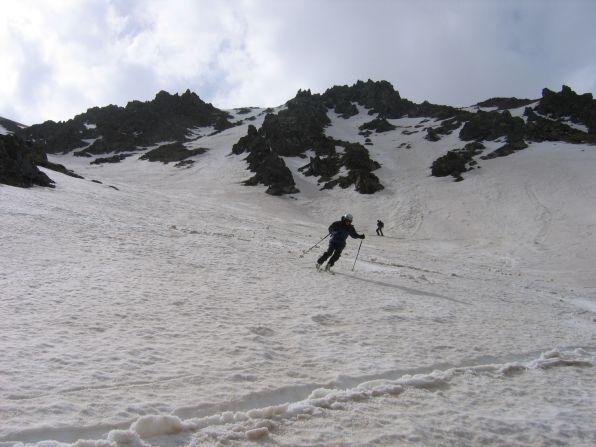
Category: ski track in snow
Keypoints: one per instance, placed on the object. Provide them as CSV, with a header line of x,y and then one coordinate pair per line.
x,y
178,310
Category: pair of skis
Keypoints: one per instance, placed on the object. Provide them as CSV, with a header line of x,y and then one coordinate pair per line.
x,y
320,269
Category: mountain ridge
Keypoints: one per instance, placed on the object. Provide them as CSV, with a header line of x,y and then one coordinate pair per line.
x,y
166,127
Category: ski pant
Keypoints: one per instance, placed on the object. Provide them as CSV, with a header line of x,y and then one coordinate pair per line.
x,y
334,251
380,232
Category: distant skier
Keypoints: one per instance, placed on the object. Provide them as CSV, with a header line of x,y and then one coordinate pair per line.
x,y
339,231
380,226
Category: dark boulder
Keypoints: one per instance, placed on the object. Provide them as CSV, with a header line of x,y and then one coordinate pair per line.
x,y
378,125
431,135
457,161
173,152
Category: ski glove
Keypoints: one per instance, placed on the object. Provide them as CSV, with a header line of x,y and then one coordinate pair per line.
x,y
361,236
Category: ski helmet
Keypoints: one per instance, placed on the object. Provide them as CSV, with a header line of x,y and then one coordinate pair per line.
x,y
347,216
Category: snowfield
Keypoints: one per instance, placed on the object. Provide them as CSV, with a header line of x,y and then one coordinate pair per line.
x,y
173,306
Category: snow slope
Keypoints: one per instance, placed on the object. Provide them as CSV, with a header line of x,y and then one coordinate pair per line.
x,y
180,308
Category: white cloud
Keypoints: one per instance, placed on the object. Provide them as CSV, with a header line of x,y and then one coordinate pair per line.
x,y
61,57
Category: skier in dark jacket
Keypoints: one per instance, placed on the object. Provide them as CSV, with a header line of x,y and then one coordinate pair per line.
x,y
380,226
339,232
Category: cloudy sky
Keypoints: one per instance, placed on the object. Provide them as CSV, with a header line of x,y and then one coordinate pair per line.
x,y
60,57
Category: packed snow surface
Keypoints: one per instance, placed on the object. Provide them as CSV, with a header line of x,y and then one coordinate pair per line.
x,y
173,306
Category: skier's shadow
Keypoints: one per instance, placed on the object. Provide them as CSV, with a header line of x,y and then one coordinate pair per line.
x,y
405,289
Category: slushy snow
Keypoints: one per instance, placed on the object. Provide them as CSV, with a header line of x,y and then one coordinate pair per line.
x,y
181,309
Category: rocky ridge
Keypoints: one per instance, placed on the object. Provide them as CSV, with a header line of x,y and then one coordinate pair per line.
x,y
102,130
162,128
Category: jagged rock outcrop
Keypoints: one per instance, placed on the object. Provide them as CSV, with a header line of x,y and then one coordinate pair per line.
x,y
323,167
357,160
118,129
579,109
269,168
547,121
506,103
113,159
539,128
173,152
378,125
491,126
380,97
299,131
298,128
507,149
457,161
16,164
10,125
293,132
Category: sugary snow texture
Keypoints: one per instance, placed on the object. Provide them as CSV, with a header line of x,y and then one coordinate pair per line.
x,y
179,309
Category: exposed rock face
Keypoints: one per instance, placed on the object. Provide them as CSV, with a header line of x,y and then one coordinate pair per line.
x,y
506,103
174,152
301,128
544,129
113,159
580,109
346,109
380,97
11,126
269,167
545,122
492,125
16,165
299,131
432,135
506,149
118,129
456,162
357,160
378,125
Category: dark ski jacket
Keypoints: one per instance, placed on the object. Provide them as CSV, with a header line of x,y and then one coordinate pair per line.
x,y
339,233
380,224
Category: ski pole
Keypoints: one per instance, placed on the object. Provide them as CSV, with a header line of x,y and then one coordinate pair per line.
x,y
306,251
357,255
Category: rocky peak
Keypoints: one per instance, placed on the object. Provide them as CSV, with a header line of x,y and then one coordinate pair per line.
x,y
116,129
